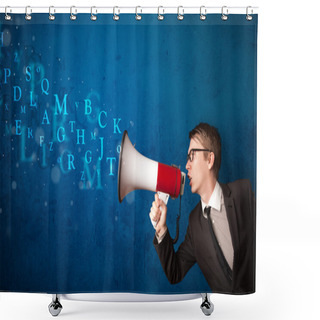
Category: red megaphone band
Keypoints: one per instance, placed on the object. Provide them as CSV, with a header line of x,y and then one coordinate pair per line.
x,y
169,180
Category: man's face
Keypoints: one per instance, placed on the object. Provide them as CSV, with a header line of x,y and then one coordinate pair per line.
x,y
198,168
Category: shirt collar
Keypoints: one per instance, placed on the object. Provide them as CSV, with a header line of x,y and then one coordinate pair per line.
x,y
215,200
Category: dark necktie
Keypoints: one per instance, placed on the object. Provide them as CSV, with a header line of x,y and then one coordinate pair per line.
x,y
221,258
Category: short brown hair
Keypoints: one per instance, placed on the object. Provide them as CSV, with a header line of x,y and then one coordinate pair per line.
x,y
210,138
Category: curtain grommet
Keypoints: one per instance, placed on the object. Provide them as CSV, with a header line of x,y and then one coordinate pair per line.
x,y
224,13
6,15
203,13
116,16
28,13
73,14
51,14
160,16
138,16
180,13
249,15
93,17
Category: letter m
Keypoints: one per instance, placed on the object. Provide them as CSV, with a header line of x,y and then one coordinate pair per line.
x,y
61,106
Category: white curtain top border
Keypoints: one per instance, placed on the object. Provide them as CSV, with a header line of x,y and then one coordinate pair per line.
x,y
129,10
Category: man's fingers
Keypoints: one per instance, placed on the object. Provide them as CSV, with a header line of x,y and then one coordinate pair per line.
x,y
158,213
154,213
156,206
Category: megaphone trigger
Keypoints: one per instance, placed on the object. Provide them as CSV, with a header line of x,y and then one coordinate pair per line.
x,y
164,197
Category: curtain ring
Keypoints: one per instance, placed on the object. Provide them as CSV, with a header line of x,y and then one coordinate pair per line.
x,y
93,17
7,17
73,15
180,13
138,17
248,16
224,13
51,15
160,16
28,14
203,15
116,16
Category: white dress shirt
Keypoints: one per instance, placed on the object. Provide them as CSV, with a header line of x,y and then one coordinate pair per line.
x,y
220,222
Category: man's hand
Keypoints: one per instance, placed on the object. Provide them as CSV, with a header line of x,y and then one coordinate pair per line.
x,y
158,213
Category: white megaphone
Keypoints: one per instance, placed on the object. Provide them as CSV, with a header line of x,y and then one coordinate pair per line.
x,y
136,171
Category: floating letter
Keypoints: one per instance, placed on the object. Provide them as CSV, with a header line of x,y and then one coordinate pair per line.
x,y
99,119
7,74
15,88
70,162
86,157
28,73
45,117
101,156
32,103
41,140
88,108
72,124
18,128
80,136
90,178
111,166
116,125
45,90
63,136
62,106
30,133
93,136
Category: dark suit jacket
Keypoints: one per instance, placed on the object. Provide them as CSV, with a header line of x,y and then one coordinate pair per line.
x,y
198,246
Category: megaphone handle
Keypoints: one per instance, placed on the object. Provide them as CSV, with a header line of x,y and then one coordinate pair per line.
x,y
164,197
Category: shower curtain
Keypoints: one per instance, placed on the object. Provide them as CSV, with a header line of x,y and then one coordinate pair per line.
x,y
69,90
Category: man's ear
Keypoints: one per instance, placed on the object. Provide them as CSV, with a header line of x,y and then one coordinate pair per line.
x,y
210,160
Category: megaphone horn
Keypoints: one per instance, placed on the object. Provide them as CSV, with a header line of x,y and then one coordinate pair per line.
x,y
136,171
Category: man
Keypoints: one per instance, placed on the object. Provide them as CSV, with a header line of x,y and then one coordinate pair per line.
x,y
221,231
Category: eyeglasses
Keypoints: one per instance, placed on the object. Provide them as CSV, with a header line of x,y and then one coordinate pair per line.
x,y
190,155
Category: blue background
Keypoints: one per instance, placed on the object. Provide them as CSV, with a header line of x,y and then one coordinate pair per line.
x,y
64,231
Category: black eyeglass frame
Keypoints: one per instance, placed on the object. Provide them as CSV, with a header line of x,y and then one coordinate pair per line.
x,y
190,155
